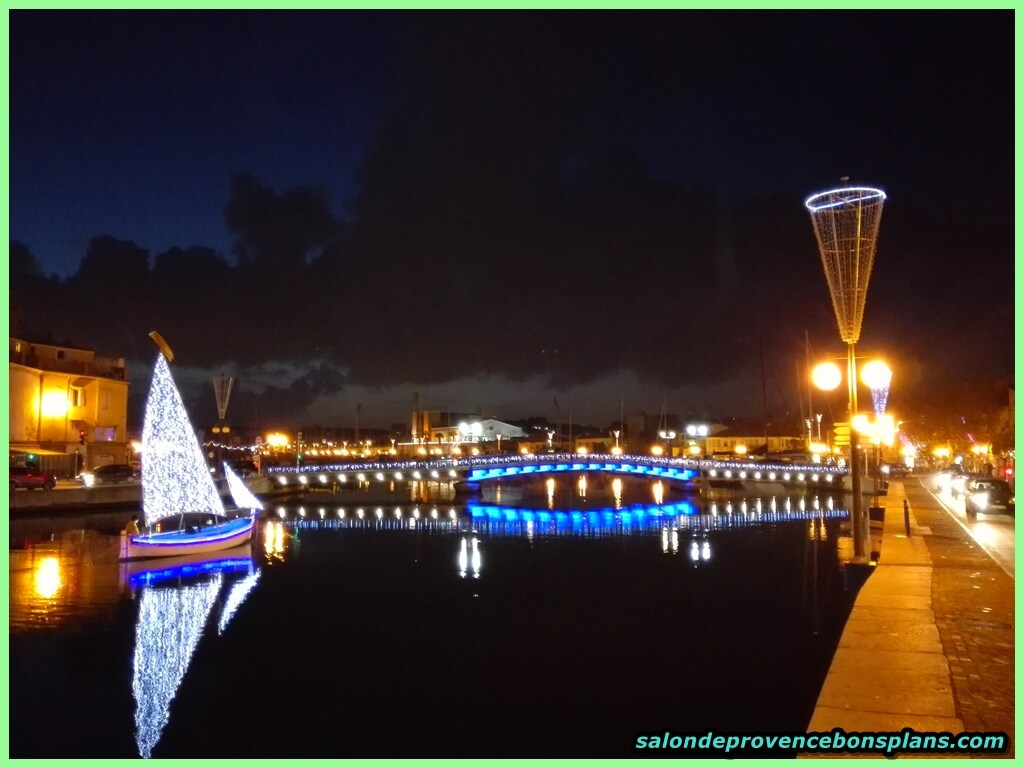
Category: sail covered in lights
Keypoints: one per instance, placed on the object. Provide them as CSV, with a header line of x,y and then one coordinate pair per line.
x,y
175,476
242,496
171,622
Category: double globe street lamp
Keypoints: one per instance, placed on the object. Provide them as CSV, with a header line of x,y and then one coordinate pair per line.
x,y
877,376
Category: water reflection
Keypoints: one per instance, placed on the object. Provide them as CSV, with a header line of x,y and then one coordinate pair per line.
x,y
469,555
176,600
669,521
273,538
47,577
53,581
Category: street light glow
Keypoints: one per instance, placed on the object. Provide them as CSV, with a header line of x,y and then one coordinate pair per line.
x,y
876,374
826,376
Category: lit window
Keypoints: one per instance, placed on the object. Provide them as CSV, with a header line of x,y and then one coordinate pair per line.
x,y
77,397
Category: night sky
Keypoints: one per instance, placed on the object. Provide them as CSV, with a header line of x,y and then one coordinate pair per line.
x,y
524,213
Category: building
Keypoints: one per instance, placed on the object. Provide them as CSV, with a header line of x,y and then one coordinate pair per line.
x,y
68,407
475,431
739,439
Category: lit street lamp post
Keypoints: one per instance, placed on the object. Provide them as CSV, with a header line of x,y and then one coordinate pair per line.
x,y
668,436
846,223
827,376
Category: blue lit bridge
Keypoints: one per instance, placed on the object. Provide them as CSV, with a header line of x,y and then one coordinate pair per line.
x,y
479,469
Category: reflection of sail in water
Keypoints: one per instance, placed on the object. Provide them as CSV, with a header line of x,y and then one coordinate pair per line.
x,y
239,591
171,621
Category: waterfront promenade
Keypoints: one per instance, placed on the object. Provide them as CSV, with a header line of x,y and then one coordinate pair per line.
x,y
929,644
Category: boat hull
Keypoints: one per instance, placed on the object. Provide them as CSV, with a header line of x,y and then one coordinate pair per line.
x,y
232,533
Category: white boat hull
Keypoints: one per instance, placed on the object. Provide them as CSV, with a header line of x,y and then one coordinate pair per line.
x,y
226,535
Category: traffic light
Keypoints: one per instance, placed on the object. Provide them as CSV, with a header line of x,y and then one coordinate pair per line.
x,y
1009,472
81,437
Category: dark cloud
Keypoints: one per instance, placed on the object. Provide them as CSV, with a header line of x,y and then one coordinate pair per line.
x,y
568,195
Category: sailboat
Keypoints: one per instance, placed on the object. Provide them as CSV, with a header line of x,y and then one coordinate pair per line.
x,y
176,481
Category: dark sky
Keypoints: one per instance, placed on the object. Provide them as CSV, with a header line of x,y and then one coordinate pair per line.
x,y
506,210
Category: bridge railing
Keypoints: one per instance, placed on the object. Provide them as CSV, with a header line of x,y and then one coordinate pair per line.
x,y
511,460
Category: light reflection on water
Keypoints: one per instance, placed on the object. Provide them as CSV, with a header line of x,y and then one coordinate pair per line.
x,y
315,558
54,581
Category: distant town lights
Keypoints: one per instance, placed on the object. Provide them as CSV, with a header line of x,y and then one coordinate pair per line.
x,y
277,440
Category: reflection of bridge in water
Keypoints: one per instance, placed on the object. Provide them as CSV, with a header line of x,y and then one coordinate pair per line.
x,y
681,521
487,468
605,521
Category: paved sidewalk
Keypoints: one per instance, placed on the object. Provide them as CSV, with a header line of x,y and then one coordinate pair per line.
x,y
929,643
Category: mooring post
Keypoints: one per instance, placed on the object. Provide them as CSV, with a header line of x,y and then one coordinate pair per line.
x,y
906,516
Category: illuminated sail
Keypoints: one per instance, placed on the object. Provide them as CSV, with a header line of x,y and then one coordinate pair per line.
x,y
175,476
242,496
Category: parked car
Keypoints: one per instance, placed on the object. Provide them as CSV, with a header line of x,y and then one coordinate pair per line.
x,y
897,470
28,477
989,497
108,474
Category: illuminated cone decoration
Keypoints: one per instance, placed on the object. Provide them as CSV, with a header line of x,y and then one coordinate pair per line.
x,y
222,391
846,223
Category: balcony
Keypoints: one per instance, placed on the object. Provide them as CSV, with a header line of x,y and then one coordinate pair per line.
x,y
106,368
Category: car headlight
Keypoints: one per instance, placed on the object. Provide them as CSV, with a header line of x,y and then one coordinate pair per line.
x,y
980,499
89,479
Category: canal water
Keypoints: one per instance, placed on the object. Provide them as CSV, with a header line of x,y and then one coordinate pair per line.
x,y
527,621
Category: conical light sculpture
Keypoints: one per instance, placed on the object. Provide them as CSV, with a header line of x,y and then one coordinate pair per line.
x,y
846,223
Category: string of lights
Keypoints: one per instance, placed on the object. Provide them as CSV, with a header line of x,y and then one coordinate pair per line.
x,y
175,477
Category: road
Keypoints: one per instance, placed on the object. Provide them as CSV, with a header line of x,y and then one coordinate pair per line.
x,y
993,533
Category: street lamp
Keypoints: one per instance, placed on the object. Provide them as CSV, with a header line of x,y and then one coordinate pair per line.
x,y
698,434
668,436
846,223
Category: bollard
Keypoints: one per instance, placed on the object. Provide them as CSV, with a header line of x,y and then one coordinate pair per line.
x,y
906,517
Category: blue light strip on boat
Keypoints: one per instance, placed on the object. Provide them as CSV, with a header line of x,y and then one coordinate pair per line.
x,y
179,539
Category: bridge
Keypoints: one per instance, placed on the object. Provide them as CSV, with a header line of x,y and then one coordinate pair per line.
x,y
477,469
